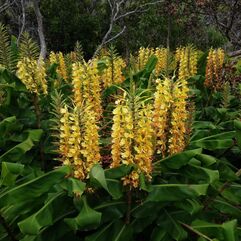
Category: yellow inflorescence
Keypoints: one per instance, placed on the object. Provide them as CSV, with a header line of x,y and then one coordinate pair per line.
x,y
214,67
187,58
143,55
86,85
62,69
58,58
132,140
53,58
162,104
79,141
179,116
32,73
143,139
90,142
162,55
113,73
170,116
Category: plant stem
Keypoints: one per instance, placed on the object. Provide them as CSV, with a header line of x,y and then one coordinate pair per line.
x,y
38,125
7,228
129,200
195,231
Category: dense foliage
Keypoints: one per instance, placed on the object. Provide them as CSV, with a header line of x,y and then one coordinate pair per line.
x,y
113,150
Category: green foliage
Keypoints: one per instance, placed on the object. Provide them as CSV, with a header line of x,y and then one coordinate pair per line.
x,y
193,195
28,47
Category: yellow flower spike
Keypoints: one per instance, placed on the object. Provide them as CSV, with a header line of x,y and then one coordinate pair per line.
x,y
62,69
143,55
53,58
143,137
75,143
162,103
162,56
90,143
113,73
77,73
32,74
86,86
65,133
117,134
41,76
215,61
179,116
187,58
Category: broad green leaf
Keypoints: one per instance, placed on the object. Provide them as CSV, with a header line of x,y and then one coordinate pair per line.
x,y
169,223
223,232
97,177
34,188
176,192
215,142
192,206
118,172
178,160
17,152
87,219
10,171
112,186
198,173
224,207
207,160
46,216
114,231
73,186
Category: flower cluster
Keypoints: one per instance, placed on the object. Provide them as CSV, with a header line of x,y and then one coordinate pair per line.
x,y
58,58
132,136
214,67
162,55
143,55
113,73
170,116
187,58
86,85
79,140
33,74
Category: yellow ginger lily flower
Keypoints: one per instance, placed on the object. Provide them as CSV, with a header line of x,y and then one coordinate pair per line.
x,y
215,61
32,73
162,104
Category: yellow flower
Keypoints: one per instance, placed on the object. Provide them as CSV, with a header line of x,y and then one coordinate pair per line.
x,y
187,58
162,104
162,55
215,61
33,75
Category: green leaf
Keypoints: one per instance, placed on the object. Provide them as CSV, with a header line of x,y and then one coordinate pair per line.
x,y
223,232
114,231
34,188
10,171
176,192
192,206
87,219
118,172
181,159
17,152
215,142
46,216
237,125
73,186
207,160
112,186
200,173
